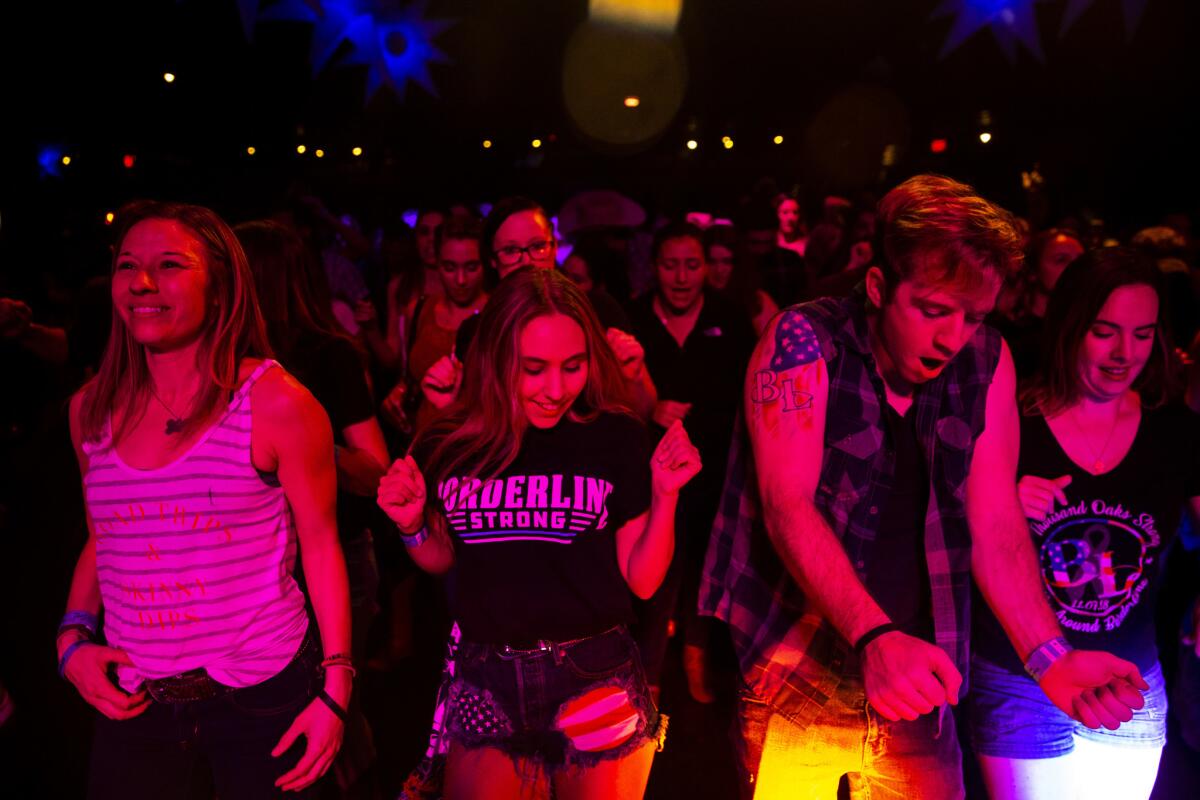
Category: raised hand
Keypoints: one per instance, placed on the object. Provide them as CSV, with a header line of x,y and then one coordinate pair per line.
x,y
667,412
87,670
401,495
1095,688
1038,495
628,351
906,677
675,461
442,381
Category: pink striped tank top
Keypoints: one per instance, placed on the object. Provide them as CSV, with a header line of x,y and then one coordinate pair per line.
x,y
195,558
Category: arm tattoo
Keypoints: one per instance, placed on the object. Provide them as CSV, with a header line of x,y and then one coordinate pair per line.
x,y
795,345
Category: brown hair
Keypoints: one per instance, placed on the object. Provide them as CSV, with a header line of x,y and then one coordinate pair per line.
x,y
234,329
1080,293
481,432
944,231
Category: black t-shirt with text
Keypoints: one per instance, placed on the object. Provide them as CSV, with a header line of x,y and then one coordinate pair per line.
x,y
535,547
1100,554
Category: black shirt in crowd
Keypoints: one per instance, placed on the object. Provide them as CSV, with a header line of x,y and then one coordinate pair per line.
x,y
708,372
1100,554
332,369
535,547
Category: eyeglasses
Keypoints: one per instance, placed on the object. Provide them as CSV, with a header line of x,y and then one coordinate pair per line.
x,y
511,255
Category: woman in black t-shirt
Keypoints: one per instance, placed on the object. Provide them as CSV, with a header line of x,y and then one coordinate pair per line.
x,y
550,510
1106,470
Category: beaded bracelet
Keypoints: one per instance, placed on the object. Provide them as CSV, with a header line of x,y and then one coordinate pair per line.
x,y
416,539
66,656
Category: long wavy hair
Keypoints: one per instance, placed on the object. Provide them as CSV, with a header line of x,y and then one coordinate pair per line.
x,y
480,434
233,331
1080,293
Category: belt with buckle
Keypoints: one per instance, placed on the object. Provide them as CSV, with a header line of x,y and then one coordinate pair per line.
x,y
186,687
197,684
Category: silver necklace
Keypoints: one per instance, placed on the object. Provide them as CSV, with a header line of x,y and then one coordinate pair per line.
x,y
174,422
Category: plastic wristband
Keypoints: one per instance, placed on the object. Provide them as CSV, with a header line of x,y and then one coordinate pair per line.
x,y
873,634
80,619
416,539
341,713
66,656
1046,654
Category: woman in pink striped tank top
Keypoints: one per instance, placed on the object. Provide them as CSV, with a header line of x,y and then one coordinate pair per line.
x,y
207,471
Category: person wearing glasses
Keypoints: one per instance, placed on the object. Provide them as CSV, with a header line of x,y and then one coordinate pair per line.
x,y
518,234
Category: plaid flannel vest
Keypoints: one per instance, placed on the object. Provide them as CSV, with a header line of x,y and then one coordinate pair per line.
x,y
790,657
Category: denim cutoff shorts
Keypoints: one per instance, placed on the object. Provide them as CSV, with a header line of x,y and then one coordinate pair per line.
x,y
1011,717
563,704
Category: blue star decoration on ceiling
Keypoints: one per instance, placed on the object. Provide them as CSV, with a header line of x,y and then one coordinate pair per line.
x,y
1131,10
1012,22
395,43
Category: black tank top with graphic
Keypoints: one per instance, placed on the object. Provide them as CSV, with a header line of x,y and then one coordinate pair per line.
x,y
1100,554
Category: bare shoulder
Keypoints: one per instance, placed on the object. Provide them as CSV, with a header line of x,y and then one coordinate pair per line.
x,y
278,397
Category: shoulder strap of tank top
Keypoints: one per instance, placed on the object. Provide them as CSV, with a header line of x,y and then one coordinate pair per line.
x,y
259,371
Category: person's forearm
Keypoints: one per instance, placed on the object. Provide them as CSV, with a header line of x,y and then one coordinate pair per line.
x,y
818,563
650,556
329,590
645,394
357,471
1009,577
85,585
84,594
48,344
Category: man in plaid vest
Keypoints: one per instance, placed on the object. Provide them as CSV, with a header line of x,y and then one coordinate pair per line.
x,y
880,479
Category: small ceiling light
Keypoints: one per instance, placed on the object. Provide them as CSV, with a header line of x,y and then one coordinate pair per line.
x,y
985,137
301,149
727,141
633,101
487,144
250,151
778,139
356,152
109,217
937,146
692,144
66,161
536,143
129,160
169,77
319,153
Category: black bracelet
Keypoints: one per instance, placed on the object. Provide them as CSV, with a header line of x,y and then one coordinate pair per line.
x,y
873,634
341,713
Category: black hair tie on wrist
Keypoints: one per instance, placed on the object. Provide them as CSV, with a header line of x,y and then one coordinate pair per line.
x,y
341,713
873,634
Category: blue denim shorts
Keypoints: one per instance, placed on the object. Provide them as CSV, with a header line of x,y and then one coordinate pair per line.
x,y
564,704
1012,718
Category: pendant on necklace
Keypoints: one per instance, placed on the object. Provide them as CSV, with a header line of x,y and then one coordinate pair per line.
x,y
174,426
